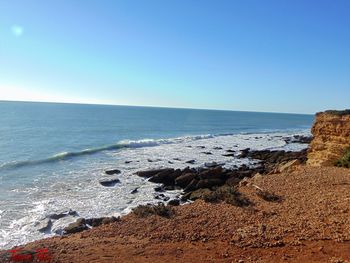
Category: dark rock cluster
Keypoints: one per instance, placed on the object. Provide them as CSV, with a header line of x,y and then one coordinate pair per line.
x,y
213,182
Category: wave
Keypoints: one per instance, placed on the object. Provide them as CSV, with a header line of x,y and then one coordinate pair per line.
x,y
119,145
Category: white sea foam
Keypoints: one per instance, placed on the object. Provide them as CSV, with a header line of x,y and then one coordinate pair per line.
x,y
75,185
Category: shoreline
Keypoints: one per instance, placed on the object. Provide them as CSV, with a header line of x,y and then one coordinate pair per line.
x,y
268,161
309,224
122,192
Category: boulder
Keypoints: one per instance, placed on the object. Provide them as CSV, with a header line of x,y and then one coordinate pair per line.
x,y
159,188
165,177
174,202
76,227
216,172
169,187
191,161
244,153
217,148
208,183
109,182
44,226
134,191
113,171
150,173
185,179
63,214
212,164
191,186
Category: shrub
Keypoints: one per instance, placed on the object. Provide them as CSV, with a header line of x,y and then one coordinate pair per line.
x,y
339,112
269,197
229,195
160,209
345,160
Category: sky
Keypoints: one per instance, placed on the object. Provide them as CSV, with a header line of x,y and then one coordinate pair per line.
x,y
250,55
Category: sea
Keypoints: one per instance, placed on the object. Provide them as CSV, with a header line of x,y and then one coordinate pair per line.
x,y
53,156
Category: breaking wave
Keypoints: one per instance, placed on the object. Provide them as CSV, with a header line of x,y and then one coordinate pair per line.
x,y
119,145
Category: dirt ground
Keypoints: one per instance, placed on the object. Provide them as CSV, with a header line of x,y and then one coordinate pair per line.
x,y
311,223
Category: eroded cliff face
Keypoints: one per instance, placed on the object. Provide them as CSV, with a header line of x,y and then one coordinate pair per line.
x,y
331,131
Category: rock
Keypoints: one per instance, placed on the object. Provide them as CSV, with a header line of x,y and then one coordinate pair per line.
x,y
230,151
302,139
126,162
229,155
208,183
298,139
188,170
207,153
201,147
191,161
212,164
191,186
216,172
94,222
217,148
153,161
185,179
164,177
134,191
76,227
159,189
110,182
44,226
150,173
169,187
233,181
289,166
174,202
199,194
244,153
63,214
109,220
162,197
186,196
83,224
114,171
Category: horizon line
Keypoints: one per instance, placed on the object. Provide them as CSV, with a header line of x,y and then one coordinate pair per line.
x,y
151,106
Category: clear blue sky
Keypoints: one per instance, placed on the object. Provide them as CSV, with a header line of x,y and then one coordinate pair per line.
x,y
273,55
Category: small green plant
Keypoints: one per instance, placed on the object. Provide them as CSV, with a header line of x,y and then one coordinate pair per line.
x,y
160,209
345,160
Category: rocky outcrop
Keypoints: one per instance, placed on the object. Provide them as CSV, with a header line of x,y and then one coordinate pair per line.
x,y
331,131
212,182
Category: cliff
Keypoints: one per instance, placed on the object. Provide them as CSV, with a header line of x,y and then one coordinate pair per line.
x,y
331,131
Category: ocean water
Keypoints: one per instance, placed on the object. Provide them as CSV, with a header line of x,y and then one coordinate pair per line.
x,y
53,155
